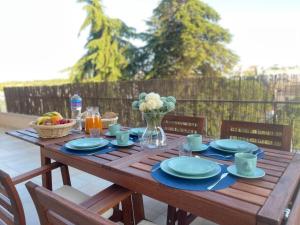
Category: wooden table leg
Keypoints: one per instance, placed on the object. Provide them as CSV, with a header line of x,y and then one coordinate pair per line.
x,y
182,217
65,175
171,216
46,177
138,207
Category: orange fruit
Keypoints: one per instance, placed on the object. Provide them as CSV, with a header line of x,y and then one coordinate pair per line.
x,y
55,119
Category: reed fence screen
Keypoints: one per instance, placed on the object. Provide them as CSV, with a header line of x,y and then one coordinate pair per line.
x,y
272,99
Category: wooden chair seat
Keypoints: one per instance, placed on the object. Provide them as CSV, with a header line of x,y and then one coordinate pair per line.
x,y
264,135
72,194
78,197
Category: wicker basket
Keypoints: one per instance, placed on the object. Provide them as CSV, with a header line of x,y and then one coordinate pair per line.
x,y
107,122
53,131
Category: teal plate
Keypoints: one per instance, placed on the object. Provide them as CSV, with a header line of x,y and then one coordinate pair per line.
x,y
232,144
137,131
108,134
103,143
129,143
164,166
86,143
257,174
202,147
192,166
253,148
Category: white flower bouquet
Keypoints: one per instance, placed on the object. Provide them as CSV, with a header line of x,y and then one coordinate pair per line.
x,y
153,103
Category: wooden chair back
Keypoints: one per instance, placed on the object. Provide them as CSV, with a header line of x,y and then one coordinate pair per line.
x,y
262,134
184,125
11,208
53,209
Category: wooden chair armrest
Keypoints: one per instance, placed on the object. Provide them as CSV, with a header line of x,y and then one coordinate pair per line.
x,y
106,199
294,216
36,172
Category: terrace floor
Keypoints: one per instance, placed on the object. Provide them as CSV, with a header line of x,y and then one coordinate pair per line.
x,y
17,157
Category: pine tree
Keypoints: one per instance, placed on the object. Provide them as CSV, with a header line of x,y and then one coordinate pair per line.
x,y
108,47
184,39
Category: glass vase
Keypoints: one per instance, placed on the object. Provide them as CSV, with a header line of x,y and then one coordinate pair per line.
x,y
154,136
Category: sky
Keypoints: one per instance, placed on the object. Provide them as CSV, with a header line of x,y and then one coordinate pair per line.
x,y
39,38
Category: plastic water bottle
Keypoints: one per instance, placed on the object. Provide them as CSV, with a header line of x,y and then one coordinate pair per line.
x,y
76,105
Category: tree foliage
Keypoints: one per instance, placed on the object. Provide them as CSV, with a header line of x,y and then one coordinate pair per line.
x,y
184,39
109,50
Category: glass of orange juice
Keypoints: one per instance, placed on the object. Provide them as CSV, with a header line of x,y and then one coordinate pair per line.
x,y
93,121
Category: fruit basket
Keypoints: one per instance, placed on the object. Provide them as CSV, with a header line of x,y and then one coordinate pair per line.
x,y
53,131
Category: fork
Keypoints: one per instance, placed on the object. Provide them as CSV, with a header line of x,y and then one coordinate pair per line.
x,y
214,184
223,156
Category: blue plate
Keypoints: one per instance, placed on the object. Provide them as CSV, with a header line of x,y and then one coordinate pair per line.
x,y
202,147
257,174
129,143
138,131
192,165
102,143
165,167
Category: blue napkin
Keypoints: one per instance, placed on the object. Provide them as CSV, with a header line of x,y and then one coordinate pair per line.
x,y
227,156
103,150
192,185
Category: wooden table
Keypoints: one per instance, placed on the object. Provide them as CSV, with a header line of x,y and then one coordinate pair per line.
x,y
247,202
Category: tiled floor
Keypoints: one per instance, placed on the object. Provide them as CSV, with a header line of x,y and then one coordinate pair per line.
x,y
17,157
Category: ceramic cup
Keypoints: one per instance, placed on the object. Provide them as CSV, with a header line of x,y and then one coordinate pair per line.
x,y
114,128
194,141
122,137
245,163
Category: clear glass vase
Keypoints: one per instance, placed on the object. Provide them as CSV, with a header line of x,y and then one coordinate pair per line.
x,y
154,136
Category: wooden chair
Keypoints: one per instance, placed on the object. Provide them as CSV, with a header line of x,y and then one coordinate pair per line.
x,y
12,212
262,134
294,215
183,125
54,209
11,208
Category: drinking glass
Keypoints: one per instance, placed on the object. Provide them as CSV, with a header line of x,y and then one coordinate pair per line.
x,y
184,150
94,132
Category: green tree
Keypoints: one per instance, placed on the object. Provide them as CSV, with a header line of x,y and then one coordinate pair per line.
x,y
109,50
184,39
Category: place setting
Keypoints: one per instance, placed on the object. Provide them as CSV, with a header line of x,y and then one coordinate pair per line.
x,y
134,134
87,146
223,149
198,174
192,173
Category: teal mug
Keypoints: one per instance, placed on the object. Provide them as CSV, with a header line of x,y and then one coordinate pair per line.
x,y
245,163
194,141
114,128
122,137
